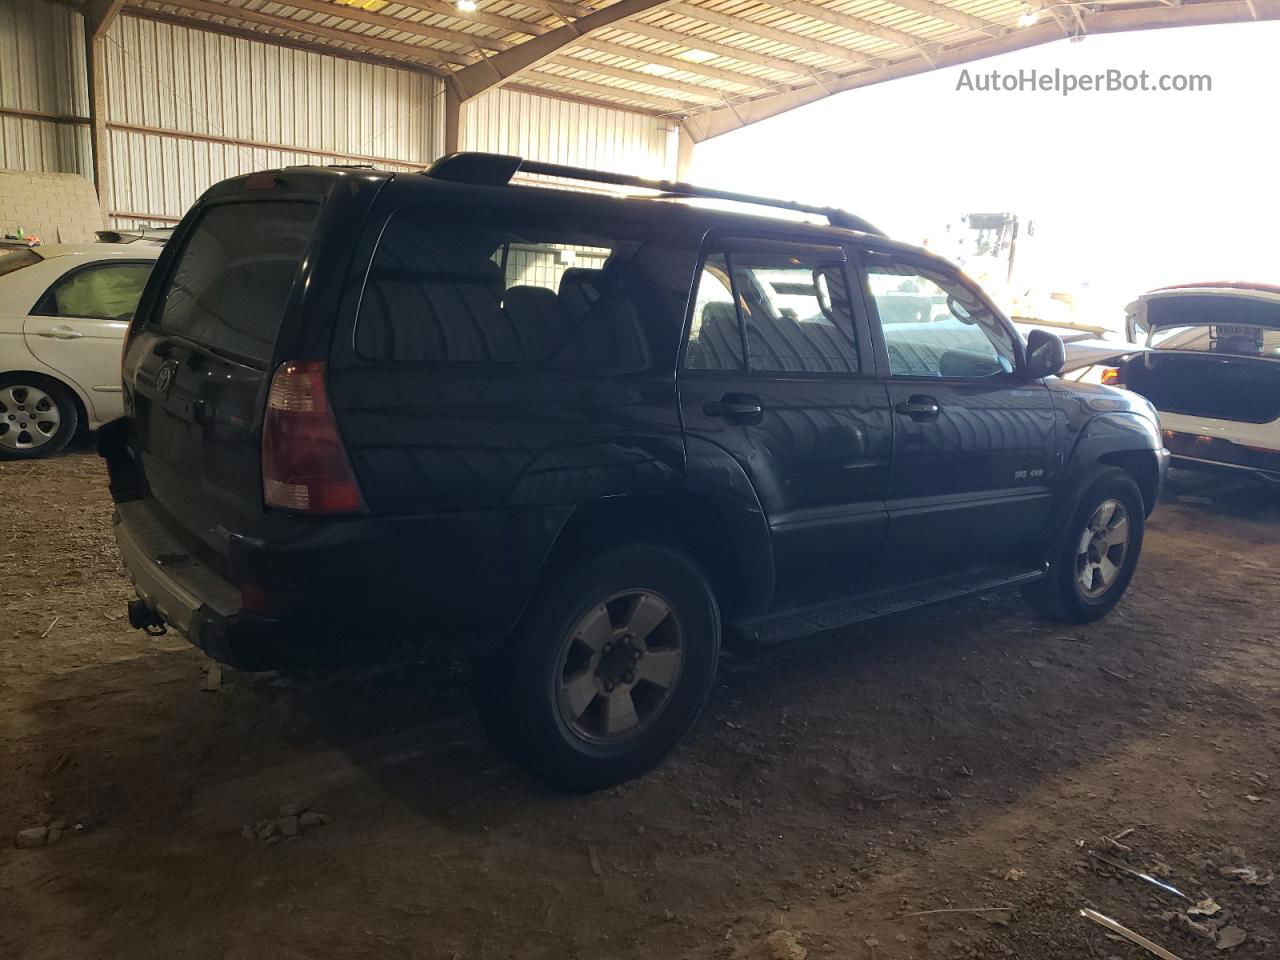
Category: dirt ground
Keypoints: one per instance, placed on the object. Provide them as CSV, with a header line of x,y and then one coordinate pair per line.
x,y
967,756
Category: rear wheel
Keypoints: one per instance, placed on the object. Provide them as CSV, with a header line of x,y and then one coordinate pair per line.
x,y
608,669
1093,560
38,417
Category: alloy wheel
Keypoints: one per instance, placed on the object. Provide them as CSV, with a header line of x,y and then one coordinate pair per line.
x,y
1102,548
29,417
619,665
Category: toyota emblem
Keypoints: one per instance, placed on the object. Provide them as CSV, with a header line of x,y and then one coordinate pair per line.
x,y
164,379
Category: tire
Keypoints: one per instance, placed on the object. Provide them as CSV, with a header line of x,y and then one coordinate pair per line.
x,y
1109,499
556,695
24,433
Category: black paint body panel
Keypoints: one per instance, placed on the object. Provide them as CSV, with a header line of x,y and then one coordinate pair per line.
x,y
472,473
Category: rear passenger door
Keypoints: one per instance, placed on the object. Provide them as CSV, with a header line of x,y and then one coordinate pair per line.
x,y
974,440
77,327
776,373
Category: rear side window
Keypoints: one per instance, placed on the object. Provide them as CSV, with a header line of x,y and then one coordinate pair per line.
x,y
445,287
105,291
9,262
790,304
232,280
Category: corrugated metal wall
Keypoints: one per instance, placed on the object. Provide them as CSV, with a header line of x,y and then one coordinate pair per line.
x,y
42,71
563,131
187,107
283,106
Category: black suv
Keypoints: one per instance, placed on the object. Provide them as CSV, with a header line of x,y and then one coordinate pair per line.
x,y
577,438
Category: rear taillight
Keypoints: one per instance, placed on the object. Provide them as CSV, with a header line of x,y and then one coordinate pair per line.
x,y
304,463
1111,376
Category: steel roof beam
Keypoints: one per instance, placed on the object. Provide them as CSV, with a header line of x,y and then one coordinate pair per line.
x,y
399,24
867,28
713,94
654,102
675,63
703,124
471,81
764,31
423,55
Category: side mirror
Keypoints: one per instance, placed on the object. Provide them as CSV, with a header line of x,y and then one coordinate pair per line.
x,y
1046,353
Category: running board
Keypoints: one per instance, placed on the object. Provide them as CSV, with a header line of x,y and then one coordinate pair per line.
x,y
794,621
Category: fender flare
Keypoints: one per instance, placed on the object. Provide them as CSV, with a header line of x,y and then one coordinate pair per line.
x,y
1103,434
711,472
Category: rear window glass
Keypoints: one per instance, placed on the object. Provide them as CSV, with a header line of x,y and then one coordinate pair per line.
x,y
1236,339
9,262
1204,323
446,288
232,280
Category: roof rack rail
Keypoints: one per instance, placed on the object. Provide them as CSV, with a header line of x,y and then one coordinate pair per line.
x,y
495,169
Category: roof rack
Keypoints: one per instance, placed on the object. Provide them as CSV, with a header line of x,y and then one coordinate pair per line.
x,y
495,169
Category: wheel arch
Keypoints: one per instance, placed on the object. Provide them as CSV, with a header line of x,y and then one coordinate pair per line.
x,y
1122,439
693,522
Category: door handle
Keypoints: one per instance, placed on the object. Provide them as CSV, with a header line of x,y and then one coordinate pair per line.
x,y
62,332
735,406
919,407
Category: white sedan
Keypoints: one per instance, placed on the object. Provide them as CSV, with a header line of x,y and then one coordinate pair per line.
x,y
64,310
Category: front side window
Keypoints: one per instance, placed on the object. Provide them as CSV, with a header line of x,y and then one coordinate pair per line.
x,y
789,304
934,324
451,289
108,291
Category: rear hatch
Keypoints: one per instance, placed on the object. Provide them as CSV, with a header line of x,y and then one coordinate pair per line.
x,y
1215,354
244,285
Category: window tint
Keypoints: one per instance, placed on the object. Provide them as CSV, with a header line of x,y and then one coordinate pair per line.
x,y
715,340
934,325
444,288
794,305
107,291
234,275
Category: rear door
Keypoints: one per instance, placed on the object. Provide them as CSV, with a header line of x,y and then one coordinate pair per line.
x,y
777,374
77,326
974,442
200,363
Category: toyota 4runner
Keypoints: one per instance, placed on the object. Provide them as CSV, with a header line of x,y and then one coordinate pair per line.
x,y
578,438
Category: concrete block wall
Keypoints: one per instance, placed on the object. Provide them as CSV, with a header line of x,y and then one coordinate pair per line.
x,y
56,207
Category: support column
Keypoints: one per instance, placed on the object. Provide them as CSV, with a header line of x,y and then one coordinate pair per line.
x,y
96,71
98,17
452,119
684,153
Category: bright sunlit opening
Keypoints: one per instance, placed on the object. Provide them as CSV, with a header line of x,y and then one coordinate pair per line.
x,y
1114,193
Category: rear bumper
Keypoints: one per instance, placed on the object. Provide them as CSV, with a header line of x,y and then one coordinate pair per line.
x,y
1199,452
343,591
191,597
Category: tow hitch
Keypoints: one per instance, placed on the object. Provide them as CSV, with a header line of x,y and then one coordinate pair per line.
x,y
142,617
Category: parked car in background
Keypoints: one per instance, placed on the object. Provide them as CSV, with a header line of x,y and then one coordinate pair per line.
x,y
1213,371
576,438
64,310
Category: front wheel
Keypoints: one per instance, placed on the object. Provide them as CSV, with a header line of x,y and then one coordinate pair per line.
x,y
608,670
1092,562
